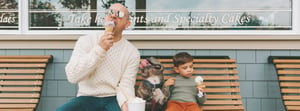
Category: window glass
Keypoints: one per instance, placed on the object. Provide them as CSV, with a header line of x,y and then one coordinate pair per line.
x,y
65,14
164,14
9,15
217,15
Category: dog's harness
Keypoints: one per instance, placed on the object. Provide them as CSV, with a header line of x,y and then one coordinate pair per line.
x,y
153,86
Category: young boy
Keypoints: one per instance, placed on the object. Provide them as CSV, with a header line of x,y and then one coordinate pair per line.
x,y
184,93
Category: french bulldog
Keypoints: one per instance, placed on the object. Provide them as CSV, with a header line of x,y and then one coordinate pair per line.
x,y
151,87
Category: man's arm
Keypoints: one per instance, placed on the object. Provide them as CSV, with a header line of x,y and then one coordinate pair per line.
x,y
125,90
84,59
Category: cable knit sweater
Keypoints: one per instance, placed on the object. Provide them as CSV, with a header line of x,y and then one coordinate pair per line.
x,y
103,73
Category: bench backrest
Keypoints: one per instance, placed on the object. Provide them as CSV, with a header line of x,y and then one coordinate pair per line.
x,y
288,72
21,79
220,77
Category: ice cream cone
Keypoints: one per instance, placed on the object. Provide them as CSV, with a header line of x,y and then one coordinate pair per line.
x,y
109,26
199,85
109,29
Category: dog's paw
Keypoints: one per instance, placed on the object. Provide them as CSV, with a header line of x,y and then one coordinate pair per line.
x,y
159,96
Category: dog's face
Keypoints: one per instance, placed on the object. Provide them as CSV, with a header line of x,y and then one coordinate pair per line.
x,y
151,67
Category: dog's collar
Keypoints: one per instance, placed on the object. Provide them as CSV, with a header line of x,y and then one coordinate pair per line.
x,y
149,84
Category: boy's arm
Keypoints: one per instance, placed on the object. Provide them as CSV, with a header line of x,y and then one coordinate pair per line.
x,y
168,87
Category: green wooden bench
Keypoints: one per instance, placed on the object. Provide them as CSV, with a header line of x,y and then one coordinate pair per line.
x,y
220,77
21,81
288,72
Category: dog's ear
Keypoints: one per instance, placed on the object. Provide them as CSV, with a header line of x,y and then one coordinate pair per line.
x,y
144,63
153,60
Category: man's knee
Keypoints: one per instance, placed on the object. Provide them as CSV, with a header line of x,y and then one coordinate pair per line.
x,y
61,108
68,107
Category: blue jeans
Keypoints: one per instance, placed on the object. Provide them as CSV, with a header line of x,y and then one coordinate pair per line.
x,y
88,103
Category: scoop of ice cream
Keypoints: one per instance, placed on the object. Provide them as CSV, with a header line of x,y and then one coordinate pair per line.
x,y
109,26
198,79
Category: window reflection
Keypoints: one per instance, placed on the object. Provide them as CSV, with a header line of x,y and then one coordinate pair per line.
x,y
9,14
42,14
66,14
217,15
165,14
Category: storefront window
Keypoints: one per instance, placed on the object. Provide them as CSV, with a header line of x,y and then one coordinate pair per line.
x,y
9,15
68,14
216,15
149,15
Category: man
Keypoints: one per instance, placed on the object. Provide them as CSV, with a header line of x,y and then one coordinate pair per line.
x,y
104,66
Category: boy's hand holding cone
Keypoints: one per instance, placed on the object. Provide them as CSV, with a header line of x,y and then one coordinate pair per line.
x,y
199,85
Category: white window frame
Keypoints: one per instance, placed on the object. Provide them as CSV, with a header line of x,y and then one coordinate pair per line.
x,y
23,27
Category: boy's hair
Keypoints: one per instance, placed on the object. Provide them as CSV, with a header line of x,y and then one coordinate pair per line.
x,y
181,58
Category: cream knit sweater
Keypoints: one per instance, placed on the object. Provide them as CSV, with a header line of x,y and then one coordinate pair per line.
x,y
103,73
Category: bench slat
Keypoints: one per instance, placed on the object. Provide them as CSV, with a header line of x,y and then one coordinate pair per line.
x,y
23,60
25,57
206,77
287,66
222,102
17,110
217,78
215,65
26,101
206,65
285,90
223,96
289,78
19,95
288,72
293,108
214,60
216,72
221,83
202,60
20,82
17,105
222,90
23,65
291,97
286,61
223,108
20,89
206,72
292,103
289,84
207,84
21,76
220,77
22,71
